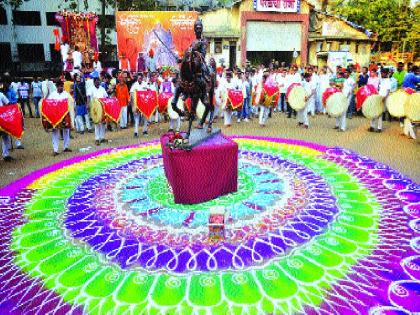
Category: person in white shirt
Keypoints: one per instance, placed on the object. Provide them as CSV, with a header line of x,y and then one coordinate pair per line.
x,y
97,91
384,89
264,110
324,83
281,82
227,112
239,83
140,85
302,115
314,86
97,66
15,86
292,77
47,87
60,94
348,88
247,92
77,58
5,138
64,49
316,79
218,95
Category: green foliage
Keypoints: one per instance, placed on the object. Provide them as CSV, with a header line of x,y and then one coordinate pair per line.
x,y
393,20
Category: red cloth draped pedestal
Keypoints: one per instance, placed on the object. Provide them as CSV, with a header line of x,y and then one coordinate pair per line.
x,y
208,171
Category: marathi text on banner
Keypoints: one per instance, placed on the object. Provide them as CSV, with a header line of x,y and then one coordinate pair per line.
x,y
139,33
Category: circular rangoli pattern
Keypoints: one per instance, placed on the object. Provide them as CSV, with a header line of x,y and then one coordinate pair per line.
x,y
310,230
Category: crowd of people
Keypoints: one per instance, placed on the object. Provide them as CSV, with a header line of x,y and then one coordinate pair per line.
x,y
82,88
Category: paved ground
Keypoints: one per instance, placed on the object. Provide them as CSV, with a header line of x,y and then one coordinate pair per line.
x,y
389,147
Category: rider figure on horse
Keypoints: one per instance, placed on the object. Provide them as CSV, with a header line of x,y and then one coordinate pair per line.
x,y
195,82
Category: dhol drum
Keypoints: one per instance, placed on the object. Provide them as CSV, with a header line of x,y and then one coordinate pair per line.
x,y
296,97
373,106
397,101
97,111
111,108
412,109
270,95
145,102
57,113
11,120
163,101
337,104
235,99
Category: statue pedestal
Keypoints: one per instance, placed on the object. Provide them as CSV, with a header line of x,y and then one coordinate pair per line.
x,y
206,172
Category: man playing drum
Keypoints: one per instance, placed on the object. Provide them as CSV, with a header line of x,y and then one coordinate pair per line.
x,y
96,92
65,124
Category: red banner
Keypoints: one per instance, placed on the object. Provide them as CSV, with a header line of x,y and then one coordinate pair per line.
x,y
163,100
235,98
111,108
139,33
147,102
54,111
11,120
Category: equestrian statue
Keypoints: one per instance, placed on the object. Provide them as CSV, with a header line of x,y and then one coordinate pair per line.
x,y
197,80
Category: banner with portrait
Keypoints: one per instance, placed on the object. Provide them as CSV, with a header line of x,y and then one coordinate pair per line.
x,y
140,32
79,29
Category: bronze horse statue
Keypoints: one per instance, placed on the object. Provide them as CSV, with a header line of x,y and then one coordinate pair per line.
x,y
197,81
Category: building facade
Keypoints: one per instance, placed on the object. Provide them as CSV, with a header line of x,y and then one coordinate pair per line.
x,y
244,32
307,36
26,35
330,34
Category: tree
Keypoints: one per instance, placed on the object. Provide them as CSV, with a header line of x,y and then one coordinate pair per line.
x,y
393,20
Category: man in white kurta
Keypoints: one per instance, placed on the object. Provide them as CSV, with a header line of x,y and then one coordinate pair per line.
x,y
227,112
97,91
140,85
264,110
348,88
384,89
310,90
77,58
60,94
